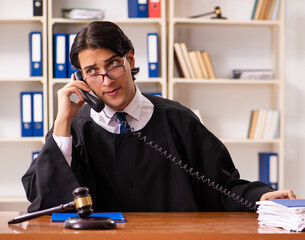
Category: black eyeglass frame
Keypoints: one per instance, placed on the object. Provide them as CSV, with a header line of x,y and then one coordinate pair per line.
x,y
106,75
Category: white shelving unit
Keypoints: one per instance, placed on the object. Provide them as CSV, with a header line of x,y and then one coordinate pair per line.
x,y
16,22
135,28
225,104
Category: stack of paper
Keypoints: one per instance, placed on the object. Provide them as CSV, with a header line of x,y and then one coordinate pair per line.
x,y
82,13
288,214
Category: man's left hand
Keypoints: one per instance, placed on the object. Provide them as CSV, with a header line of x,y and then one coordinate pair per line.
x,y
280,194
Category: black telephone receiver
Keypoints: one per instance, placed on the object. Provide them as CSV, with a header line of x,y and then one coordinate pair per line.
x,y
93,101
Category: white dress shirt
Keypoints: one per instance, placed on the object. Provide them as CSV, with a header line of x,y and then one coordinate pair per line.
x,y
139,112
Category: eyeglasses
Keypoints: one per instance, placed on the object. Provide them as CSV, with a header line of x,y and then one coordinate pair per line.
x,y
112,74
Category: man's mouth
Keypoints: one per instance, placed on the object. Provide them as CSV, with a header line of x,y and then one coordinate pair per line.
x,y
112,92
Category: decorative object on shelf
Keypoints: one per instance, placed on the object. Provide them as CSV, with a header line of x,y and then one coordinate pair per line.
x,y
82,13
252,74
217,11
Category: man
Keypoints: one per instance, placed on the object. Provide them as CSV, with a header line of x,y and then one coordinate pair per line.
x,y
151,168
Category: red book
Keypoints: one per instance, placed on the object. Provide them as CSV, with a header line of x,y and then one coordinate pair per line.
x,y
154,9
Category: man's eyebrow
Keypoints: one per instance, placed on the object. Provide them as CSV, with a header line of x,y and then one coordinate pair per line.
x,y
109,59
106,60
90,66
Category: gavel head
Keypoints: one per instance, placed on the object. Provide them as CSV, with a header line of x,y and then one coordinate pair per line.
x,y
218,12
83,201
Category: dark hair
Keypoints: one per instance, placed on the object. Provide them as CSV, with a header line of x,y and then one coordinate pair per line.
x,y
101,34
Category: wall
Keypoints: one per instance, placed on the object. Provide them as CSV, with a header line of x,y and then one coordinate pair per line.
x,y
295,96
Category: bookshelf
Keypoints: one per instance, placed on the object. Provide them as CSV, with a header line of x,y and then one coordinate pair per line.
x,y
16,22
135,28
225,104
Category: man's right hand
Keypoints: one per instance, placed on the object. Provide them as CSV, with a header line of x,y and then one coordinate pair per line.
x,y
68,109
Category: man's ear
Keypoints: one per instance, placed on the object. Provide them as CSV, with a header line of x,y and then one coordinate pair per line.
x,y
131,59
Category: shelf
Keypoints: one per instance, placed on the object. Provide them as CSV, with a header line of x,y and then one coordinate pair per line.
x,y
227,81
26,79
22,140
25,19
249,23
13,199
116,20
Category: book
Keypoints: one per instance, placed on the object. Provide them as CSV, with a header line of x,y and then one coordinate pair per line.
x,y
115,216
254,9
208,63
275,10
195,64
264,11
270,10
203,68
264,124
258,9
253,122
288,214
261,119
187,59
180,61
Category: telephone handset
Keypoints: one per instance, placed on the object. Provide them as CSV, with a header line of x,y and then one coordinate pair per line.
x,y
94,102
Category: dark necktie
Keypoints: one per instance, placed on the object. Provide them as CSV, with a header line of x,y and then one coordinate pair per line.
x,y
121,118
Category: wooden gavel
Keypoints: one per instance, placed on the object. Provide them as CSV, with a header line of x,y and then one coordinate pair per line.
x,y
82,203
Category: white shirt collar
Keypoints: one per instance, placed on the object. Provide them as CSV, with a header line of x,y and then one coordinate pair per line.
x,y
133,109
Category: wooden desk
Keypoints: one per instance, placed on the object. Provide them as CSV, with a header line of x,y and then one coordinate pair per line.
x,y
154,226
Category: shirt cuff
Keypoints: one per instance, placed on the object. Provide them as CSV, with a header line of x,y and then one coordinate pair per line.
x,y
65,146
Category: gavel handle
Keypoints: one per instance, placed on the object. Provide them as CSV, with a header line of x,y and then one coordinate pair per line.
x,y
62,207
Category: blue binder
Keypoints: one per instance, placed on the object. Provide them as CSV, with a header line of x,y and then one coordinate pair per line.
x,y
153,55
37,104
268,169
26,114
71,68
35,54
60,55
137,8
115,216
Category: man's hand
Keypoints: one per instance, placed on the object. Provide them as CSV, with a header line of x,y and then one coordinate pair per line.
x,y
280,194
68,109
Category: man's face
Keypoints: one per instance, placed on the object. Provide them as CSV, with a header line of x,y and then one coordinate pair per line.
x,y
116,93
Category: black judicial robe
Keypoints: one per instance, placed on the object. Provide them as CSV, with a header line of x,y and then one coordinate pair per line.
x,y
124,173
